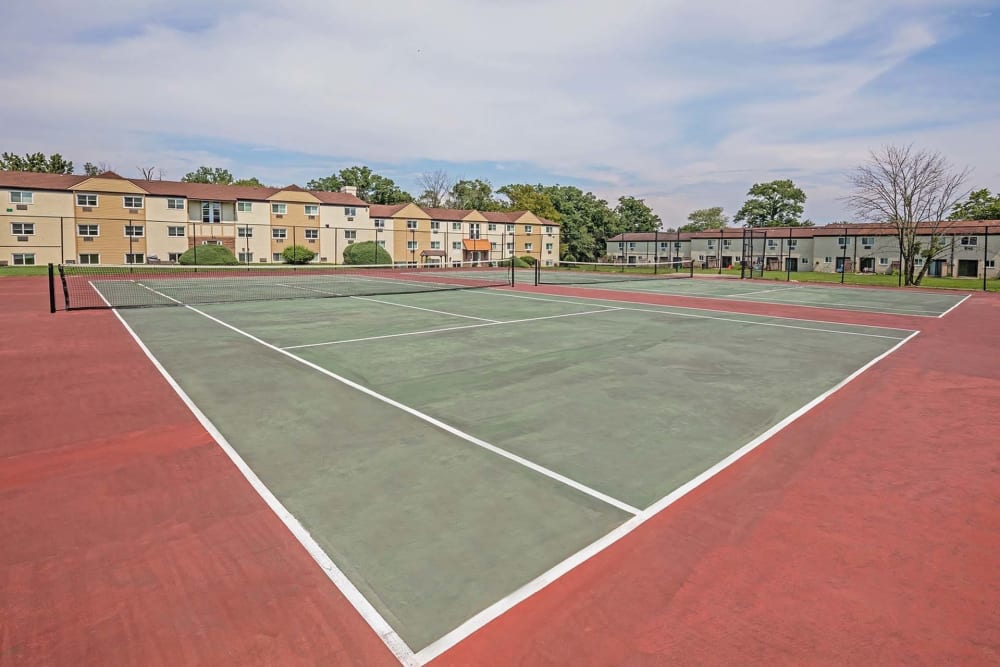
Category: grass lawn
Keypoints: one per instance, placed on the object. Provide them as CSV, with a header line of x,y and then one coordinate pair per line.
x,y
39,270
880,280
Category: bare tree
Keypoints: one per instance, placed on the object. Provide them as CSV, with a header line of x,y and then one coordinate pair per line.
x,y
435,186
913,191
152,173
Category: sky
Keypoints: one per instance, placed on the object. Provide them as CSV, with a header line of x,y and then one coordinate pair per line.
x,y
683,104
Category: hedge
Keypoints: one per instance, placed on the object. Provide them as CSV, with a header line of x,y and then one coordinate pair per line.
x,y
366,252
208,254
297,254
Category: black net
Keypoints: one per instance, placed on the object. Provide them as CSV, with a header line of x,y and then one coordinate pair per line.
x,y
582,273
135,286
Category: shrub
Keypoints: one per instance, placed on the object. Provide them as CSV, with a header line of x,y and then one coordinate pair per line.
x,y
519,263
297,254
529,260
208,254
366,252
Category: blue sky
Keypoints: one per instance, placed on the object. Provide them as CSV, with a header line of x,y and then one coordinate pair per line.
x,y
683,104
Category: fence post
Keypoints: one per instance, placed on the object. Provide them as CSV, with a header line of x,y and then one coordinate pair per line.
x,y
52,287
843,258
788,260
986,251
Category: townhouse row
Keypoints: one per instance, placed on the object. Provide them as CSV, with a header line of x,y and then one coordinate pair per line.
x,y
968,248
108,219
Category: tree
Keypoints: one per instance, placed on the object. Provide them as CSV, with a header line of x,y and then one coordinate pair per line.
x,y
91,169
53,164
215,175
252,182
373,188
774,204
532,198
704,219
435,185
979,206
911,190
473,194
148,173
635,216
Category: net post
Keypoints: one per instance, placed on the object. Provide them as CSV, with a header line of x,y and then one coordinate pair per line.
x,y
52,286
538,274
65,287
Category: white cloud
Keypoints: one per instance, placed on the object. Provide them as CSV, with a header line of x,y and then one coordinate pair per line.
x,y
609,94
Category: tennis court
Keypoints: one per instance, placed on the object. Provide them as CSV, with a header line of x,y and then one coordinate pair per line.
x,y
919,303
443,454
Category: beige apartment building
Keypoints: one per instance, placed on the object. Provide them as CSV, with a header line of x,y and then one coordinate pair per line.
x,y
107,219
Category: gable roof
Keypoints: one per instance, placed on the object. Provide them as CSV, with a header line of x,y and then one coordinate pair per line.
x,y
34,180
385,210
341,198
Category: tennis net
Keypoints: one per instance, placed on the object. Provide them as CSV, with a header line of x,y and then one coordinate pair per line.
x,y
138,285
581,273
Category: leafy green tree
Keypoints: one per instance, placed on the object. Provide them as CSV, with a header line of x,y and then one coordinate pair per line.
x,y
473,194
91,169
366,252
216,175
773,204
978,206
373,188
704,219
297,254
635,216
53,164
532,198
252,182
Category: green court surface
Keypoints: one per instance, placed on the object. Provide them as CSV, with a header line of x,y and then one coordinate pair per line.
x,y
864,299
445,449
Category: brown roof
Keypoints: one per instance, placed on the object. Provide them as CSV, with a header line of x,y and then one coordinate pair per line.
x,y
446,213
340,198
205,191
433,253
851,229
385,210
38,181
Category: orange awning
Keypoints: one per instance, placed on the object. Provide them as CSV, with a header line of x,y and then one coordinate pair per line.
x,y
476,244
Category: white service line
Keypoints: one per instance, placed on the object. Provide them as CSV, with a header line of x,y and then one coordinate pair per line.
x,y
375,620
460,328
439,646
540,469
714,317
762,291
964,299
429,310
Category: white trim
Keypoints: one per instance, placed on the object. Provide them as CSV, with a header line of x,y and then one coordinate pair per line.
x,y
963,300
389,637
142,202
439,646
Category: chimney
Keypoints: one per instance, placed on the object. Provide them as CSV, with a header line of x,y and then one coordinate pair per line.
x,y
349,189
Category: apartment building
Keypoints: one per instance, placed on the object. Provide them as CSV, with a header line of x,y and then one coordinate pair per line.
x,y
108,219
968,248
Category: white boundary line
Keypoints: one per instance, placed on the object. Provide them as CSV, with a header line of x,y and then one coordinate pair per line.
x,y
763,291
964,299
531,465
429,310
439,646
375,620
460,328
713,317
857,309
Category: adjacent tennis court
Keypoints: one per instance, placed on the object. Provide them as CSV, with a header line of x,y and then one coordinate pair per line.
x,y
446,452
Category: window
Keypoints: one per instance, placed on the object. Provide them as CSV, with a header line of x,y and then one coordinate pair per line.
x,y
411,224
90,258
279,233
435,245
883,261
381,242
134,258
211,211
380,224
350,233
631,245
22,228
88,230
792,244
528,247
456,226
621,245
842,241
174,256
473,230
726,243
435,225
312,209
312,234
175,204
279,209
677,245
969,240
548,229
664,245
22,197
411,245
23,259
86,200
991,264
350,211
494,246
918,260
771,243
211,242
510,229
246,257
867,242
711,244
244,232
134,231
492,227
528,229
805,259
457,245
276,257
510,246
828,259
548,247
132,201
244,206
175,231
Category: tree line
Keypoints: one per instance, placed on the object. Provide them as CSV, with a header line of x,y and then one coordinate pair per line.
x,y
898,185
